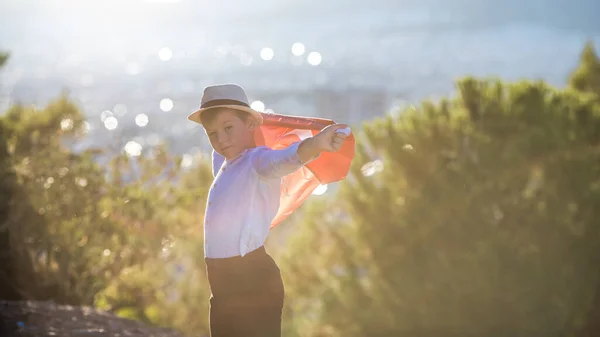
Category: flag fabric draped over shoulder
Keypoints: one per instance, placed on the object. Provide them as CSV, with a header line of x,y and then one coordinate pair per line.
x,y
280,131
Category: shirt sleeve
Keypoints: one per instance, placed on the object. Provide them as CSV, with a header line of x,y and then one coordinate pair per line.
x,y
217,162
276,164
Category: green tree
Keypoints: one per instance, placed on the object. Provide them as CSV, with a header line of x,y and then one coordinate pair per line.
x,y
3,59
8,187
8,289
126,237
54,210
476,216
586,77
163,207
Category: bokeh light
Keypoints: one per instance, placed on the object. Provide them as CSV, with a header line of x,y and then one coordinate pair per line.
x,y
165,54
314,58
111,123
267,54
372,168
258,106
298,49
66,124
187,160
320,190
166,104
141,120
105,114
133,148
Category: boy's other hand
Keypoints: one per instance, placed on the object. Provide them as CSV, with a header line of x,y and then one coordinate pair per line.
x,y
329,139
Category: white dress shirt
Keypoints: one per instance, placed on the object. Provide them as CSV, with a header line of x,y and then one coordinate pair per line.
x,y
244,198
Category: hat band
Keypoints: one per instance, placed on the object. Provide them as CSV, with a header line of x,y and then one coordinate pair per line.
x,y
218,102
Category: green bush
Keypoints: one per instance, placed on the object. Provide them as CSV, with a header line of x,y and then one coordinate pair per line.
x,y
126,238
476,216
586,78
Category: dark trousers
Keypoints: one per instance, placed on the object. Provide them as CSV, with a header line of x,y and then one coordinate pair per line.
x,y
247,295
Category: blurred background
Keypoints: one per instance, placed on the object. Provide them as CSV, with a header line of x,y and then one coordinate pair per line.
x,y
145,63
471,209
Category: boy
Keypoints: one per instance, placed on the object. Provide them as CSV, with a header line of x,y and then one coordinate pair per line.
x,y
246,286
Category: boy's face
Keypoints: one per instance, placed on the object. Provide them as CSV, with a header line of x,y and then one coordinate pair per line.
x,y
228,134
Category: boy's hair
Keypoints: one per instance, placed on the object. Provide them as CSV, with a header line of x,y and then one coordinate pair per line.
x,y
210,115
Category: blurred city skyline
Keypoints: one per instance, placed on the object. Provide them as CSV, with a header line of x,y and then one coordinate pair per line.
x,y
142,64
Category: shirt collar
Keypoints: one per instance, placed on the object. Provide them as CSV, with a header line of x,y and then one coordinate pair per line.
x,y
229,161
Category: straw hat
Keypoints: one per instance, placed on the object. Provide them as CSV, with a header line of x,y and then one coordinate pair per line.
x,y
230,96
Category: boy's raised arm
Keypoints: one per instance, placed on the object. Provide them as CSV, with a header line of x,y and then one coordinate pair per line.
x,y
273,164
308,150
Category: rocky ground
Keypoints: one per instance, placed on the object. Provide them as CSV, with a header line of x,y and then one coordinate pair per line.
x,y
37,319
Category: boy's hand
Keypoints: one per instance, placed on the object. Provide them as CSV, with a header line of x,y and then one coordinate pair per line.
x,y
329,139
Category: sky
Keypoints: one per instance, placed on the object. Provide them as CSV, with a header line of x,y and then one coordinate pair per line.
x,y
141,53
92,21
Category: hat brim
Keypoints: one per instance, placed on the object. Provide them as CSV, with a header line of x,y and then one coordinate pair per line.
x,y
196,115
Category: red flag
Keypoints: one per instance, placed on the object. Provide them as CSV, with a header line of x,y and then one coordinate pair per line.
x,y
280,131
